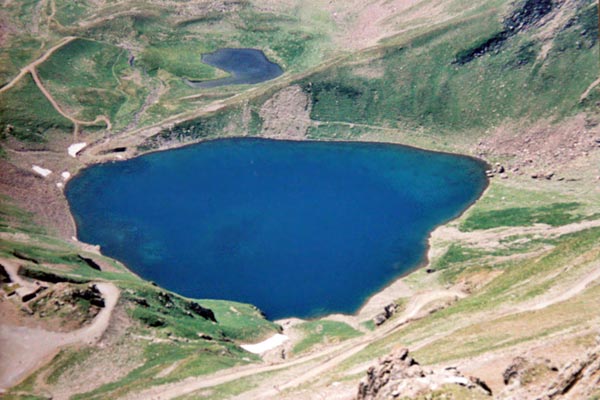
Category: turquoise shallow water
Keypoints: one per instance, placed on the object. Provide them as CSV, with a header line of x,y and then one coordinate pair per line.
x,y
295,228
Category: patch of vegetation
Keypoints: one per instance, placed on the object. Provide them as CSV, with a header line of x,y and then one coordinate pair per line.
x,y
22,50
195,359
11,396
555,215
457,254
57,254
323,331
241,321
180,317
70,12
293,43
27,115
370,325
66,360
180,58
332,130
587,19
13,218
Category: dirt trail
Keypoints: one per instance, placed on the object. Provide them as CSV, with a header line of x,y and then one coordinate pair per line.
x,y
571,291
25,349
31,69
589,89
76,122
28,68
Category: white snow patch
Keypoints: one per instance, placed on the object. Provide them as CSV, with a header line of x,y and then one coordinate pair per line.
x,y
459,380
59,185
75,148
66,175
42,171
266,345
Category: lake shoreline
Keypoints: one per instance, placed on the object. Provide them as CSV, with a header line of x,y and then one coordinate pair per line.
x,y
378,299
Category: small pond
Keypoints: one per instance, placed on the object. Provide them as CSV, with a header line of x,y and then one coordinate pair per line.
x,y
246,66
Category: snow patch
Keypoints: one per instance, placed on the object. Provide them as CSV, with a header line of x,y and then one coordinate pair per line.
x,y
42,171
75,148
65,175
266,345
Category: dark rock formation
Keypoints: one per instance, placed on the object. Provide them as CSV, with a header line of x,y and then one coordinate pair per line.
x,y
47,276
32,295
388,312
24,257
91,294
525,14
398,375
580,378
4,277
538,379
205,313
90,262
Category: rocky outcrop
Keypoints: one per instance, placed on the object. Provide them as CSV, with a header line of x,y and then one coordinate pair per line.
x,y
388,312
398,375
538,379
525,377
524,14
287,114
4,276
203,312
579,379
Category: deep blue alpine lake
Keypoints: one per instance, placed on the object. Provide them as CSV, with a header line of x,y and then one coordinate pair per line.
x,y
246,66
296,228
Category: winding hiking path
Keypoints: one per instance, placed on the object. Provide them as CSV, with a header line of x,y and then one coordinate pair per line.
x,y
31,69
25,349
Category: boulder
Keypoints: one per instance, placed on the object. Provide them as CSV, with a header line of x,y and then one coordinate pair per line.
x,y
388,312
203,312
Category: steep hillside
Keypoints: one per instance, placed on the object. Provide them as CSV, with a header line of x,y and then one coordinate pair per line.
x,y
511,289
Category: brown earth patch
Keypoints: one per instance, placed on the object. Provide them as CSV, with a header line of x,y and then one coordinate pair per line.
x,y
543,148
37,195
286,115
